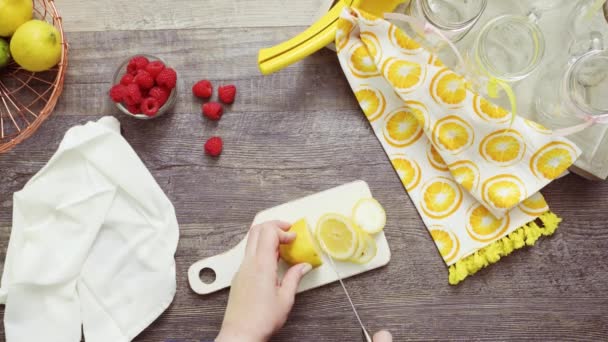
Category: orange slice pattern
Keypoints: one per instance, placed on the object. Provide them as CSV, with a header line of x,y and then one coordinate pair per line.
x,y
482,226
403,42
402,127
446,241
552,160
373,46
535,205
503,191
448,88
345,27
505,147
435,159
453,134
441,197
371,101
466,173
405,76
489,111
361,63
408,171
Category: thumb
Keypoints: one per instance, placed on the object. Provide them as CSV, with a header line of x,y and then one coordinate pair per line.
x,y
383,336
290,283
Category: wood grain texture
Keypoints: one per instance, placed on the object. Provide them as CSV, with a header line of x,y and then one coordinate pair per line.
x,y
293,134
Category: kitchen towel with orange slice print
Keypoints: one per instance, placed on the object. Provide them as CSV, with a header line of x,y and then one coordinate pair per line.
x,y
472,170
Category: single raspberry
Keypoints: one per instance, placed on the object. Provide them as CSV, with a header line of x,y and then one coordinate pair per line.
x,y
133,109
150,106
227,93
127,79
213,146
213,110
161,94
154,68
137,63
167,78
144,80
133,96
118,93
202,89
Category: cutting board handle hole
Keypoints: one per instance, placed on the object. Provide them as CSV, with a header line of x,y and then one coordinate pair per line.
x,y
207,275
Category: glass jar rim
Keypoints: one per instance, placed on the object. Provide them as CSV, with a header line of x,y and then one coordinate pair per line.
x,y
429,16
570,82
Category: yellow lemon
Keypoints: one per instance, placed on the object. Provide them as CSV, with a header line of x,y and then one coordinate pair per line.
x,y
13,13
552,160
483,226
303,249
489,111
441,197
408,171
371,101
5,54
367,249
369,215
36,46
337,236
503,191
446,242
503,148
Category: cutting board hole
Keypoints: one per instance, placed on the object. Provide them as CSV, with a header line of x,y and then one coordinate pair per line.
x,y
207,275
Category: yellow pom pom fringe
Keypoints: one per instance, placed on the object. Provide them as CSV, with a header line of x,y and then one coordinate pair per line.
x,y
545,225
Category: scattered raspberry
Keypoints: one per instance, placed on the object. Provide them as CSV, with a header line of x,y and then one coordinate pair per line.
x,y
144,80
161,94
154,68
150,106
213,110
137,63
133,95
127,79
203,89
118,92
227,93
213,146
133,109
167,78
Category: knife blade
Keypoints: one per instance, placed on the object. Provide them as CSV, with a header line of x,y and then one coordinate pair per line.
x,y
366,335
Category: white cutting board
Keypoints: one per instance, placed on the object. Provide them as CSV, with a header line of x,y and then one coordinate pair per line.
x,y
341,200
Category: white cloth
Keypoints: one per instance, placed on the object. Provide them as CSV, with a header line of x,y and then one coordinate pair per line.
x,y
92,244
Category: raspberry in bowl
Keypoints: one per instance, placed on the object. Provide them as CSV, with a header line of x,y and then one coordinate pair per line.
x,y
144,87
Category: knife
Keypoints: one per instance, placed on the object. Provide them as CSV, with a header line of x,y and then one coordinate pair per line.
x,y
366,335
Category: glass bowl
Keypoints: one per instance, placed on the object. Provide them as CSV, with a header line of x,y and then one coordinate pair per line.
x,y
122,69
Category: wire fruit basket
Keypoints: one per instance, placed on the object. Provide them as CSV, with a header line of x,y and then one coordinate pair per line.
x,y
27,99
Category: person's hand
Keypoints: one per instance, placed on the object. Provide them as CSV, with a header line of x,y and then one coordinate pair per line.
x,y
383,336
259,301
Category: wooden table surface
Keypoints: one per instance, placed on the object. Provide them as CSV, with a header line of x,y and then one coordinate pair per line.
x,y
289,135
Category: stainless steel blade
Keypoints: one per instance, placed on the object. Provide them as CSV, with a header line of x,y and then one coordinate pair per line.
x,y
352,305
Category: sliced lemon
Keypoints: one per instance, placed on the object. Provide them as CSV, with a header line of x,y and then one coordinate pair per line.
x,y
367,249
303,249
337,236
369,215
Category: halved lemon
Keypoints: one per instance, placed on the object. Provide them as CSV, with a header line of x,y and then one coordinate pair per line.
x,y
367,249
369,215
337,236
303,249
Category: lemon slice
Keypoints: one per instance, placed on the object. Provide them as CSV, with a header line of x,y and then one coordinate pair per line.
x,y
369,215
337,236
368,250
303,249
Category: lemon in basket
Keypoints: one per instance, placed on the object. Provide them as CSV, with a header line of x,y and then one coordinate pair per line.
x,y
369,215
303,249
5,55
13,13
36,46
337,236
